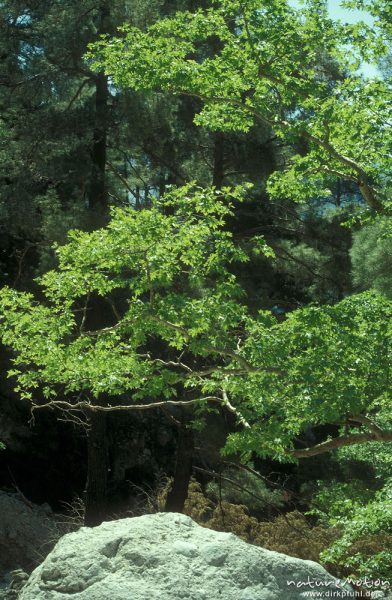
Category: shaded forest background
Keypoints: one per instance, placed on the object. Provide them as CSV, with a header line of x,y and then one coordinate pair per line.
x,y
72,146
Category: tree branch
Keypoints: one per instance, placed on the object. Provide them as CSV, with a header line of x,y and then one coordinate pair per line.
x,y
88,406
341,442
247,367
368,192
121,178
232,409
78,92
369,423
83,405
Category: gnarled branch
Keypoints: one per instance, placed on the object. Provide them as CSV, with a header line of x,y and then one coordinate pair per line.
x,y
88,406
363,420
341,442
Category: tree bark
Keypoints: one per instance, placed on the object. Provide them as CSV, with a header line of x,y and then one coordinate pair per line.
x,y
342,442
183,471
98,197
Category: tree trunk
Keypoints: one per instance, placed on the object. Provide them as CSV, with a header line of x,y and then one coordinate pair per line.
x,y
183,471
98,197
97,470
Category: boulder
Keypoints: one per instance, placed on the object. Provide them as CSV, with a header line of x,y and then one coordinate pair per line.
x,y
167,556
27,532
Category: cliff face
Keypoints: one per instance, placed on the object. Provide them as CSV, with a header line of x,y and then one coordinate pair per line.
x,y
167,556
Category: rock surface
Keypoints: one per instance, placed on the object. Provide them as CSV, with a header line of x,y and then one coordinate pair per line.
x,y
27,533
167,556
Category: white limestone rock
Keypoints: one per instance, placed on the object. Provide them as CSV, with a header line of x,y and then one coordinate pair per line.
x,y
167,556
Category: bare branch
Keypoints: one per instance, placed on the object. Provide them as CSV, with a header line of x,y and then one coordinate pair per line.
x,y
173,326
247,367
341,442
78,92
378,432
121,178
368,192
173,363
87,406
227,404
84,313
217,369
337,173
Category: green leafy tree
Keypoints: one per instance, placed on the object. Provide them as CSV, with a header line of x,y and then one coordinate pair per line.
x,y
165,278
365,547
292,73
371,256
361,512
70,143
270,67
180,334
334,367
